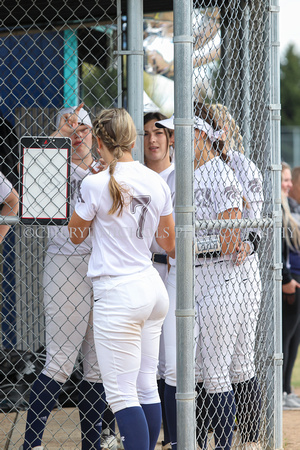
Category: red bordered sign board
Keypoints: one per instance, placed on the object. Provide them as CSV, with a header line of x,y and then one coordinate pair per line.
x,y
45,180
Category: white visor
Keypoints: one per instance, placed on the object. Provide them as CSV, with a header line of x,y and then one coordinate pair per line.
x,y
166,123
201,125
83,116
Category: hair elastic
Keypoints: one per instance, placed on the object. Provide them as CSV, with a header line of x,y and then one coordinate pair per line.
x,y
201,125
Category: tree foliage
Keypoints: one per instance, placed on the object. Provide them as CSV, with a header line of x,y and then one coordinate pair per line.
x,y
290,87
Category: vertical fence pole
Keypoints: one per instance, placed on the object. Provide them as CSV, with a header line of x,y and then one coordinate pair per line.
x,y
135,63
276,165
119,56
245,75
184,211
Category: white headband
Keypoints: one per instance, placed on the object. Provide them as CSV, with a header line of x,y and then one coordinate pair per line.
x,y
212,134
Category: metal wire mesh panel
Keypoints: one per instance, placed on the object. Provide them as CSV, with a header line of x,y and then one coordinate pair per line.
x,y
52,57
63,54
234,281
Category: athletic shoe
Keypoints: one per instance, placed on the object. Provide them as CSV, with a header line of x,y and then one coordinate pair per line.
x,y
252,446
108,441
33,448
290,401
294,397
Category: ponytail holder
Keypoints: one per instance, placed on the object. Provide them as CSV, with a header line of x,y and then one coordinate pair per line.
x,y
201,125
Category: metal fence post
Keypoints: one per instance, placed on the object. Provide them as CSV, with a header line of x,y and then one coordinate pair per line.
x,y
135,72
276,161
185,315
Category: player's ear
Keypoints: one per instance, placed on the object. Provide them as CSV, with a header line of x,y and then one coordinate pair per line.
x,y
99,142
99,146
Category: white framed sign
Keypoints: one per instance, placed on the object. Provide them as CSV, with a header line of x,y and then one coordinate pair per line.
x,y
45,180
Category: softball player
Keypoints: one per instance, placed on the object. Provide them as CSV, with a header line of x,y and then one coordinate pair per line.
x,y
10,202
67,303
126,205
217,195
157,157
157,142
243,378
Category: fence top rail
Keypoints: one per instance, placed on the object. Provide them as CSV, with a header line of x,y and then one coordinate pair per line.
x,y
265,222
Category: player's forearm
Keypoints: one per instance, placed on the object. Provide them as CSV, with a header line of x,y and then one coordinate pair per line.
x,y
230,240
78,235
167,243
165,235
10,208
79,228
230,237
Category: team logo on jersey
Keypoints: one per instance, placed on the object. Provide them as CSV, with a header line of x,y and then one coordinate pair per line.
x,y
203,196
75,190
255,186
232,193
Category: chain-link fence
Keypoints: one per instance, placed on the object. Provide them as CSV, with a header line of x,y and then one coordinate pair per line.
x,y
234,301
61,54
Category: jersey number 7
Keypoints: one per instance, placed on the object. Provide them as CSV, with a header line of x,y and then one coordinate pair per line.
x,y
142,202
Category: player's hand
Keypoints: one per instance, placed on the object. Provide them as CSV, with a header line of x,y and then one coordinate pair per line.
x,y
290,288
99,167
69,122
243,250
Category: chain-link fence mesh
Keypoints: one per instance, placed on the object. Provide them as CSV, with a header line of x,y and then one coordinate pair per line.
x,y
59,55
234,304
52,56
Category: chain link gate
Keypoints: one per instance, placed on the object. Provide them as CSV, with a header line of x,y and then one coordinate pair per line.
x,y
53,56
72,53
237,312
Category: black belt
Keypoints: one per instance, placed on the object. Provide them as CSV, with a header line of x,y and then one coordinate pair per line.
x,y
159,258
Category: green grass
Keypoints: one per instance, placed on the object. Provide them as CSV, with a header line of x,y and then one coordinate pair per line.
x,y
296,372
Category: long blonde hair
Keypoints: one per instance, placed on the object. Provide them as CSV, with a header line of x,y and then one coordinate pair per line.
x,y
117,131
225,120
219,118
291,228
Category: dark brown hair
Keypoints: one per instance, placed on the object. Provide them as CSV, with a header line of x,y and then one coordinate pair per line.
x,y
157,116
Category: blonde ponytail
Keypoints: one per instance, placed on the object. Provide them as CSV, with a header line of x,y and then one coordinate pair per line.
x,y
116,129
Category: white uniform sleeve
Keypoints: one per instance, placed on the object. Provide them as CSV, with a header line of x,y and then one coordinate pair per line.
x,y
251,180
168,207
5,187
227,192
88,206
171,184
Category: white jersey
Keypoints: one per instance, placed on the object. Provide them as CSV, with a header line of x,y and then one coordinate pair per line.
x,y
216,189
5,187
171,184
155,248
250,178
251,181
121,244
58,236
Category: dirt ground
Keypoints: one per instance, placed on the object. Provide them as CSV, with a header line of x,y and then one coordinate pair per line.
x,y
291,428
12,430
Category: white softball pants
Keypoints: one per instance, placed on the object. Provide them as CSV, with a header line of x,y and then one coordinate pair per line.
x,y
68,317
128,314
169,331
227,309
163,272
